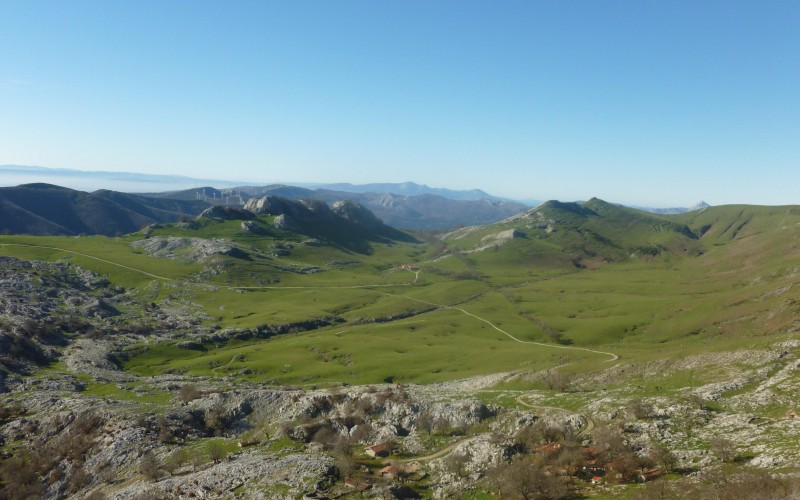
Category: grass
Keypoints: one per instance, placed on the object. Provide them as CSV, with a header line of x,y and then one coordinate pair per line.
x,y
125,392
437,346
731,291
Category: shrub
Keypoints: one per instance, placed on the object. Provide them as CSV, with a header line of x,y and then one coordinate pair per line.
x,y
216,451
149,466
188,393
639,409
175,460
724,449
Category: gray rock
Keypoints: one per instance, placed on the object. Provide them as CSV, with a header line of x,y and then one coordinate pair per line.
x,y
253,227
226,213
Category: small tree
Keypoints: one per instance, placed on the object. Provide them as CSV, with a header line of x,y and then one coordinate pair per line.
x,y
425,422
326,437
216,451
723,448
639,409
164,432
175,460
663,458
149,466
527,479
608,442
344,464
216,419
457,463
627,466
555,380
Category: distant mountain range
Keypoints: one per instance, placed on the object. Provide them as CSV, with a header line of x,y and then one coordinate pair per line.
x,y
49,209
677,210
408,189
423,211
129,182
147,183
45,209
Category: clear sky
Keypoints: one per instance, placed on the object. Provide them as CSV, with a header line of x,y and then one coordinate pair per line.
x,y
659,103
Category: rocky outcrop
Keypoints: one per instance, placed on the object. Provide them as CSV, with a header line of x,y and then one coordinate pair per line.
x,y
285,223
297,474
253,227
356,213
195,249
226,213
291,212
275,205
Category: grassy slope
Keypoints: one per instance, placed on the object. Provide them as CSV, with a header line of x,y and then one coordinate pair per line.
x,y
737,293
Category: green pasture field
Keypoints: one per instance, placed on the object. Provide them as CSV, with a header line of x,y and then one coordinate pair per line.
x,y
734,289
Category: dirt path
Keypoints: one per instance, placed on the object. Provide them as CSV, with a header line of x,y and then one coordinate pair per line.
x,y
90,257
611,355
439,454
233,360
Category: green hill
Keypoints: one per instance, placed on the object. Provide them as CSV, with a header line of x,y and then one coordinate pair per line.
x,y
591,276
576,235
45,209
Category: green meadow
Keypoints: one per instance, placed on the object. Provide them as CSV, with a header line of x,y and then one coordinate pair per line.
x,y
640,286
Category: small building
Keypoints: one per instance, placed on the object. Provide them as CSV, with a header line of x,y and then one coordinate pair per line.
x,y
649,475
390,471
379,450
597,479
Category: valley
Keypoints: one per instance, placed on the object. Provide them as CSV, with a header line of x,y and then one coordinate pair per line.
x,y
259,353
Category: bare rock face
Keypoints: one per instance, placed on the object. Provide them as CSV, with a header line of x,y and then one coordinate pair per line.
x,y
226,213
195,249
356,213
285,223
298,473
253,227
313,210
317,209
274,205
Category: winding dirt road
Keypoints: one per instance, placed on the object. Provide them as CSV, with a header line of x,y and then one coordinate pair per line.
x,y
611,355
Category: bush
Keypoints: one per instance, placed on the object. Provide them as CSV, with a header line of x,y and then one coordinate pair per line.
x,y
639,409
217,451
557,381
188,393
216,419
724,449
149,466
526,478
175,460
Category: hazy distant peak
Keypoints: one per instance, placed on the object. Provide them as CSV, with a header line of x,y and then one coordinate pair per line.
x,y
674,210
409,189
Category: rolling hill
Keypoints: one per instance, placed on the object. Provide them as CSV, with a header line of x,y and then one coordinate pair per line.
x,y
580,235
45,209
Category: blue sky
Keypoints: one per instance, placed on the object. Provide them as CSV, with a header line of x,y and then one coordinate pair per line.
x,y
644,102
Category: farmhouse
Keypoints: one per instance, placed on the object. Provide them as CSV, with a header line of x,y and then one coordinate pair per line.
x,y
379,450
